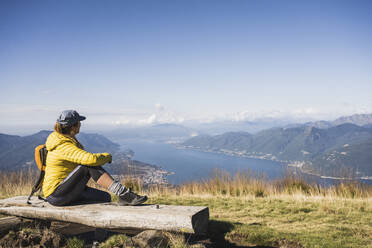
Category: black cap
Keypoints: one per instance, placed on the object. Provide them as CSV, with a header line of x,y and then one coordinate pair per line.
x,y
69,118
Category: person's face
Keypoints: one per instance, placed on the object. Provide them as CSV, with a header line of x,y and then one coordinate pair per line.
x,y
76,129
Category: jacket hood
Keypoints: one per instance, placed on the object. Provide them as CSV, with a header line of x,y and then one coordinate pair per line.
x,y
55,139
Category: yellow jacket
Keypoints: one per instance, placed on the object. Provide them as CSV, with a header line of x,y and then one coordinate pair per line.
x,y
64,155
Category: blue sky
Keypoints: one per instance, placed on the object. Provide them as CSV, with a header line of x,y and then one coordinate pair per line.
x,y
143,62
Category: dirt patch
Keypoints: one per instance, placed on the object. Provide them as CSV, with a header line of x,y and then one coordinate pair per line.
x,y
28,237
284,243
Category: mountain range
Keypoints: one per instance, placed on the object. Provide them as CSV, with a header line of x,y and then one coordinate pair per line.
x,y
341,149
357,119
258,124
321,147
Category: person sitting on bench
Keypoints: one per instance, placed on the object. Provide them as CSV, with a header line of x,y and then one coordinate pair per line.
x,y
69,168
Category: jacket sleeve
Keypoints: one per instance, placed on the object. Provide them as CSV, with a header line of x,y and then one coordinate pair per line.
x,y
74,154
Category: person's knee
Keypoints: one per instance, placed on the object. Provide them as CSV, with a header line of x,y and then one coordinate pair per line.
x,y
95,172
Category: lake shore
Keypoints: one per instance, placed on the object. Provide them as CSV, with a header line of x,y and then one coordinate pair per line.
x,y
296,164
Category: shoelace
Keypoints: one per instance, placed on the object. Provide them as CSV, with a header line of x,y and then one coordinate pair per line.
x,y
126,191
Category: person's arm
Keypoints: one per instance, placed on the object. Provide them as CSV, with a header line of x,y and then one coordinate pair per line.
x,y
76,155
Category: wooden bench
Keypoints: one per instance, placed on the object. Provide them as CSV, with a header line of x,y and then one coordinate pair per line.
x,y
187,219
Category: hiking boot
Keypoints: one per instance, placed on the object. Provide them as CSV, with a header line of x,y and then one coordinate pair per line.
x,y
129,198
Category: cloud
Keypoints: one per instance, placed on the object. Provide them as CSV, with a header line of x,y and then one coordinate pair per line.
x,y
102,115
162,115
159,107
351,108
152,119
248,115
306,111
299,114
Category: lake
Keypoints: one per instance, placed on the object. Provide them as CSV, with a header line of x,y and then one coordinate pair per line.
x,y
193,165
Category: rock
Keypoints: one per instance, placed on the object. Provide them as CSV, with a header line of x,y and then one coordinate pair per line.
x,y
95,244
148,239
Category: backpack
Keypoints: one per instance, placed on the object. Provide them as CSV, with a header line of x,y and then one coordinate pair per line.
x,y
40,159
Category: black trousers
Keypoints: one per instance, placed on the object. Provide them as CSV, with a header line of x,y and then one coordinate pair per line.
x,y
73,189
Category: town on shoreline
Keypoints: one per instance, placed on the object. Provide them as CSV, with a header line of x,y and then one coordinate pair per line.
x,y
123,167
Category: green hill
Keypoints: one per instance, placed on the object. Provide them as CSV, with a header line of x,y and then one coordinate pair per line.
x,y
354,159
306,144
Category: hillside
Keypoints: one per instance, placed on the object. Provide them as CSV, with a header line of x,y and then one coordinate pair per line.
x,y
353,159
304,145
18,152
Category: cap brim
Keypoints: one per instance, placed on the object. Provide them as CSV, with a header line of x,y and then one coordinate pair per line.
x,y
81,118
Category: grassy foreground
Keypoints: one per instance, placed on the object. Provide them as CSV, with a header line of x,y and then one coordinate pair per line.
x,y
310,221
252,212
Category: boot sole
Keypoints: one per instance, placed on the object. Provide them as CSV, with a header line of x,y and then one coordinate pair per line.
x,y
133,203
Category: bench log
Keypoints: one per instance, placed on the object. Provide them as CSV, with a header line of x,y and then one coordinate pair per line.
x,y
189,219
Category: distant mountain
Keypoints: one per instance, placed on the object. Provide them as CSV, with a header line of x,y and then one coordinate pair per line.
x,y
18,152
8,142
304,143
95,143
319,124
357,119
260,124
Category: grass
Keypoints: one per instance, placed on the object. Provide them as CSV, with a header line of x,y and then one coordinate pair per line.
x,y
16,183
311,221
247,211
244,184
114,241
75,243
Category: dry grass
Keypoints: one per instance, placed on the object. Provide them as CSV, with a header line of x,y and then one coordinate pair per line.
x,y
17,183
221,184
244,184
248,210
